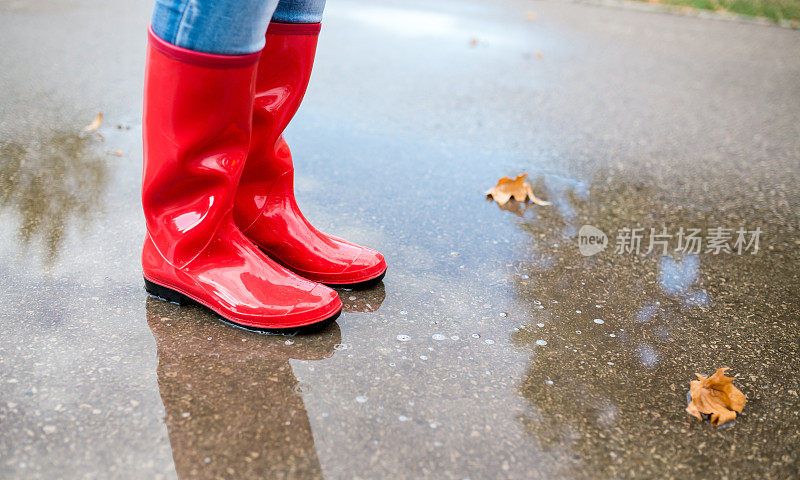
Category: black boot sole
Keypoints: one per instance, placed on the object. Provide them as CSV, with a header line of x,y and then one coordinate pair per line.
x,y
173,296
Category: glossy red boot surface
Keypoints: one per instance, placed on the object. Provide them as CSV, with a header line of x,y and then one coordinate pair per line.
x,y
197,128
265,207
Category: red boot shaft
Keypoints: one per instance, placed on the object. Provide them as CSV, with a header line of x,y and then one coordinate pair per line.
x,y
196,131
265,207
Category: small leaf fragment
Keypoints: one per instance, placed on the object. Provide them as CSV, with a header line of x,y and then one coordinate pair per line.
x,y
118,153
98,120
715,396
516,188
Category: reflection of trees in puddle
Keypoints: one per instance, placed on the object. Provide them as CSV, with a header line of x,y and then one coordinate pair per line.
x,y
50,184
234,408
609,394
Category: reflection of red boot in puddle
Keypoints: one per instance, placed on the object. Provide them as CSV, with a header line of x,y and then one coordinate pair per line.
x,y
266,209
363,301
232,407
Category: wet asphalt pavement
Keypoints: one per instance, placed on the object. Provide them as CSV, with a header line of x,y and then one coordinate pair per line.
x,y
493,348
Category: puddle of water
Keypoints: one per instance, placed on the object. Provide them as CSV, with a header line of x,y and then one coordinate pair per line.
x,y
609,394
50,185
407,21
234,408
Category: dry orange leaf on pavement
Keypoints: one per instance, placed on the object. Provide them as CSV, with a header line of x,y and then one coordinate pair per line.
x,y
98,120
715,396
516,188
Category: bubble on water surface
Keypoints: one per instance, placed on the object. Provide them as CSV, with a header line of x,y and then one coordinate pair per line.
x,y
489,341
438,336
647,355
402,418
540,325
541,342
361,399
289,342
403,338
599,321
476,335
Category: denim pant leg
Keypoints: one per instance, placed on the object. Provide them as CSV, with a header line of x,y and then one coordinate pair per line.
x,y
227,27
223,27
299,11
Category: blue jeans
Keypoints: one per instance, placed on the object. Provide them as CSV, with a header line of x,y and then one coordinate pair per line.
x,y
227,27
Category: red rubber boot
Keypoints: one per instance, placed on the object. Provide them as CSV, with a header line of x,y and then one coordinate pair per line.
x,y
265,207
197,128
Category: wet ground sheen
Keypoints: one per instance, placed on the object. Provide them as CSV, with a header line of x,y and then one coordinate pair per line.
x,y
493,348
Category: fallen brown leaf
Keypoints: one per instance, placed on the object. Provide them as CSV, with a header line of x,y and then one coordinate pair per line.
x,y
117,153
539,55
473,41
715,396
518,189
98,120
